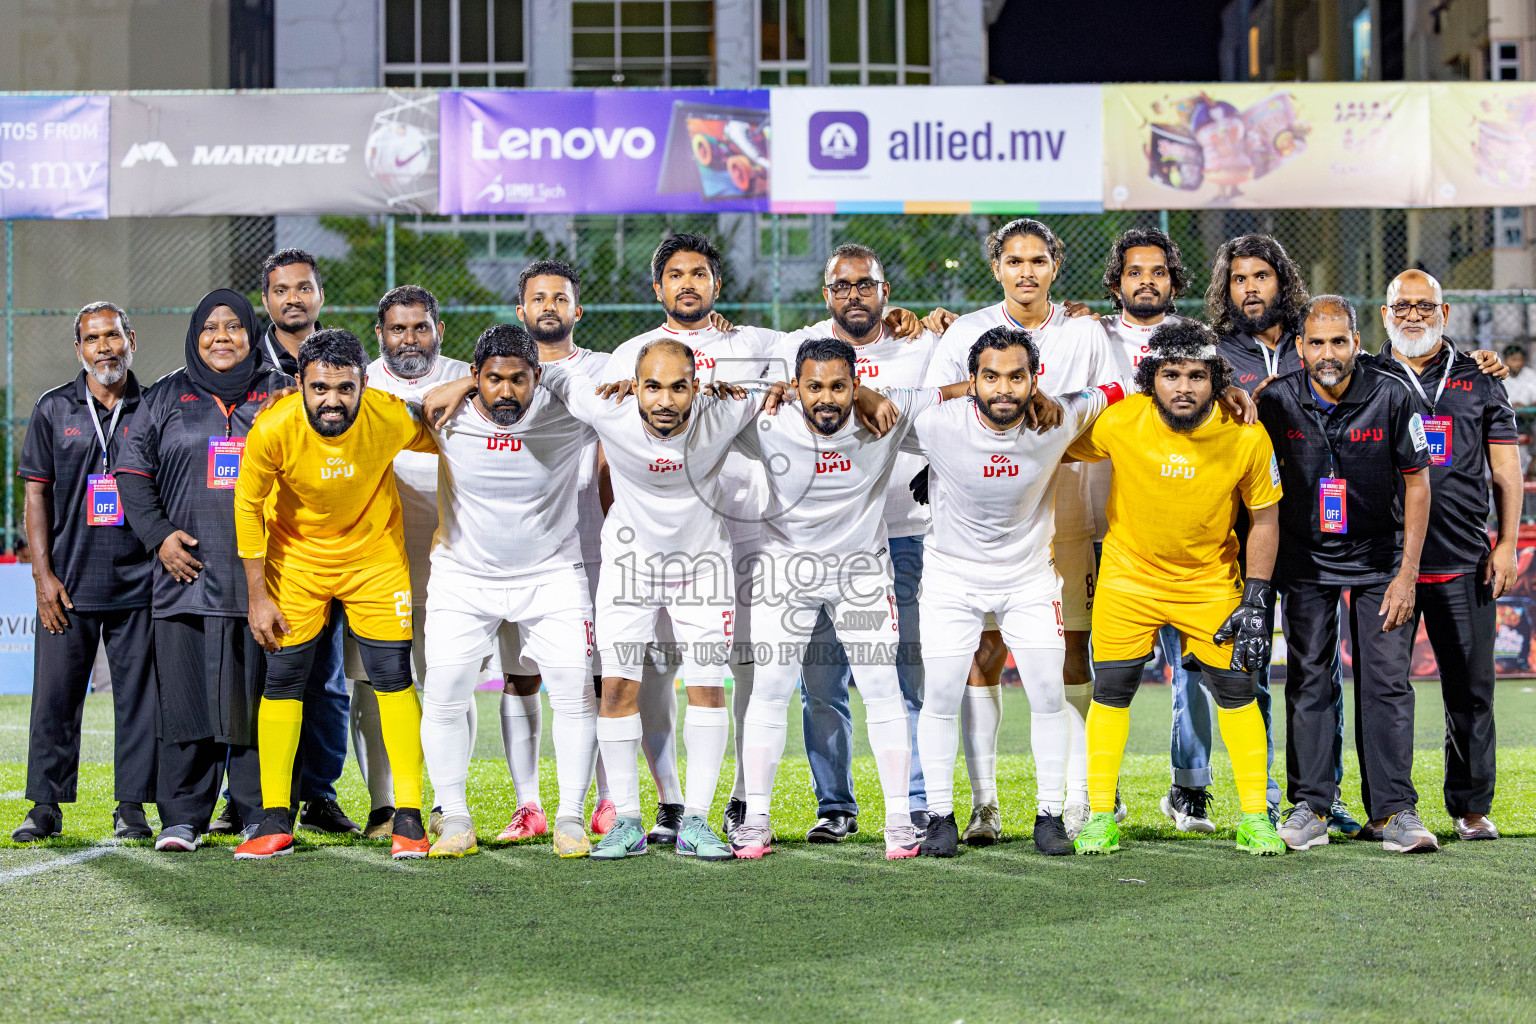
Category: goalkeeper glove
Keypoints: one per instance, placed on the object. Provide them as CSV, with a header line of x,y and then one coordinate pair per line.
x,y
918,485
1248,628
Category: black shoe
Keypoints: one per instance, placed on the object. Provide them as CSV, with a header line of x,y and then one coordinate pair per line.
x,y
1051,836
920,821
735,814
228,822
128,822
943,839
669,818
408,824
275,821
327,816
833,827
380,823
44,821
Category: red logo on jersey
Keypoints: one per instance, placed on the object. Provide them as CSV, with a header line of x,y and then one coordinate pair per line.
x,y
1001,466
665,466
703,362
503,443
868,369
71,431
189,398
1465,385
1247,378
832,462
256,396
1295,435
1369,434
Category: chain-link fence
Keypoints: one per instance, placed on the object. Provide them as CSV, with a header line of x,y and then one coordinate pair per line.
x,y
158,268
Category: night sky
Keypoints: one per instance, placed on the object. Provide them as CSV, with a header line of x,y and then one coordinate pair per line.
x,y
1106,41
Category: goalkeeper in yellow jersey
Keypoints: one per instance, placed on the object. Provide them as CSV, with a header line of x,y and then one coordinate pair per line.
x,y
1182,466
317,519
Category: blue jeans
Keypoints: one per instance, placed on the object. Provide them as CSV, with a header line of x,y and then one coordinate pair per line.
x,y
323,741
824,680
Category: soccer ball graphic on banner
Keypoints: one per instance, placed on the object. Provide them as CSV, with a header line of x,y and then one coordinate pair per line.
x,y
398,152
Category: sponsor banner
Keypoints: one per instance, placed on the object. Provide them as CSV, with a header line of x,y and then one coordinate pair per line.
x,y
1484,143
53,157
1265,146
960,149
18,625
606,151
260,154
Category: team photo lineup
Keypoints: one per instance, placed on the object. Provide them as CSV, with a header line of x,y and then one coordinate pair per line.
x,y
288,544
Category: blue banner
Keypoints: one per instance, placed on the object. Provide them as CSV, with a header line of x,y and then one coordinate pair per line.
x,y
18,621
54,155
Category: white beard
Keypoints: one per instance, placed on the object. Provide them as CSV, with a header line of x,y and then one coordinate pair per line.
x,y
1414,348
111,377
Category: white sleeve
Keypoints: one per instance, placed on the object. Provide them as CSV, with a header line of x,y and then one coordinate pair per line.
x,y
620,365
1104,368
747,443
1081,408
911,402
946,366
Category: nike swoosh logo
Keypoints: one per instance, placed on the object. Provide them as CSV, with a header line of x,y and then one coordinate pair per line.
x,y
401,163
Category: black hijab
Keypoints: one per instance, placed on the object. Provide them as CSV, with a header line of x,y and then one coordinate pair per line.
x,y
235,384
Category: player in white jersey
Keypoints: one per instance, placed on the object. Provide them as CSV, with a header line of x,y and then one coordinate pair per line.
x,y
411,363
685,272
666,562
856,292
992,485
507,550
1075,354
825,549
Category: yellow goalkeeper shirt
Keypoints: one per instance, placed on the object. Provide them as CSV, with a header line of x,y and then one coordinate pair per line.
x,y
1174,497
333,503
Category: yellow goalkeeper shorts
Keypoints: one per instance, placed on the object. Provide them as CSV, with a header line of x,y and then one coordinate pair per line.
x,y
377,599
1125,623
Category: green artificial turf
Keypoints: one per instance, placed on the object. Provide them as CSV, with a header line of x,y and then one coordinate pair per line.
x,y
1175,927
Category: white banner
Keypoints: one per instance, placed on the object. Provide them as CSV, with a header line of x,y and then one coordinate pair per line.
x,y
958,149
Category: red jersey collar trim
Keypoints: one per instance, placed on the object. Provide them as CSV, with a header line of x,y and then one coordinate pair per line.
x,y
982,423
1049,317
684,334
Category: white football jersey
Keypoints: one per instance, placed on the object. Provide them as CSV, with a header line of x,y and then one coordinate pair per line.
x,y
666,490
416,472
1074,355
742,356
589,503
506,496
1128,342
992,491
826,494
886,362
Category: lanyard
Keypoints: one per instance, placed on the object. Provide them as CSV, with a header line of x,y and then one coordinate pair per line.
x,y
1413,378
1322,428
111,427
1271,356
266,339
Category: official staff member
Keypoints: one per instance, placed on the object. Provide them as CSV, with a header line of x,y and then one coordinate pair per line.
x,y
292,295
1346,439
1470,427
177,475
92,579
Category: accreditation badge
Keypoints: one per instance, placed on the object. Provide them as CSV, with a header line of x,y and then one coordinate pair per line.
x,y
103,507
224,455
1437,431
1332,505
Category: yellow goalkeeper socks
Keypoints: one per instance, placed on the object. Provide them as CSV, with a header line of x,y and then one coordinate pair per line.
x,y
1242,730
277,738
1108,729
400,722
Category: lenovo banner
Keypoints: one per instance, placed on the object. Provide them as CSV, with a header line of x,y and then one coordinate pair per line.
x,y
963,149
53,157
606,151
259,154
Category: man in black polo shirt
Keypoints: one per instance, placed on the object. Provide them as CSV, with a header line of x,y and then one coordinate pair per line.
x,y
92,582
1347,437
1471,430
1254,303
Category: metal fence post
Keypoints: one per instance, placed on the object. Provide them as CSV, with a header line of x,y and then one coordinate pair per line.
x,y
1162,221
10,381
389,252
778,244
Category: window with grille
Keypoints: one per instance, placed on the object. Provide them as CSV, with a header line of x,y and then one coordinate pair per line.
x,y
463,43
643,43
844,42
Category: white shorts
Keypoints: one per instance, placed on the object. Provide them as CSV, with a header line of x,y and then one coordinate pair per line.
x,y
1079,576
953,616
633,608
856,589
552,615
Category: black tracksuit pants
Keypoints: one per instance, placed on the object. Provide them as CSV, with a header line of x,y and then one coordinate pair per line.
x,y
1383,698
61,678
1461,617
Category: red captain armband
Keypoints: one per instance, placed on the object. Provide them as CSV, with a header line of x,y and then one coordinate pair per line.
x,y
1112,392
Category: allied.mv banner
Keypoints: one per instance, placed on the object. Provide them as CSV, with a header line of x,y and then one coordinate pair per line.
x,y
53,157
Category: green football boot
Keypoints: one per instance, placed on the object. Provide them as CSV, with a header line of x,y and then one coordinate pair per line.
x,y
625,839
1256,834
1100,835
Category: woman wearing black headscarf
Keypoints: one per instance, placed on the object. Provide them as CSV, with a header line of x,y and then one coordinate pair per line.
x,y
177,475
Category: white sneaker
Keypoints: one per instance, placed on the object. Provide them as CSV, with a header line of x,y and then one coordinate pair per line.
x,y
1121,811
1075,817
1187,806
178,838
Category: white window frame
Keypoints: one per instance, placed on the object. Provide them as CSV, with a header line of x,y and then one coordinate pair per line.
x,y
615,67
454,67
817,64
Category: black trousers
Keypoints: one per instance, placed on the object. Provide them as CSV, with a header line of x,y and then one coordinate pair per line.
x,y
1460,616
1383,698
211,674
61,677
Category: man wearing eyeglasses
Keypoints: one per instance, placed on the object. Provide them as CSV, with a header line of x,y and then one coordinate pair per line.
x,y
1471,430
856,293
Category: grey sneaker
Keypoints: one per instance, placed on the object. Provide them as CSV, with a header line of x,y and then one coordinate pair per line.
x,y
1405,833
179,839
985,828
1304,829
